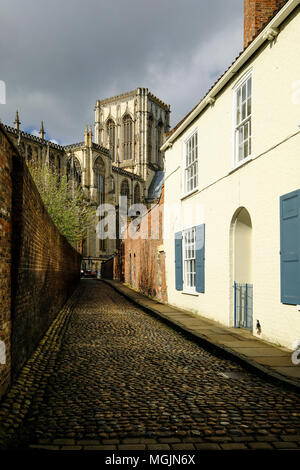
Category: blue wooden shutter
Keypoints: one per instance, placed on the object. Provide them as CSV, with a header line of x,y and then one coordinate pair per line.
x,y
200,258
290,248
178,261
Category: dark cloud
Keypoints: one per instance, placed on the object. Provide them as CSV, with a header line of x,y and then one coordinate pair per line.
x,y
57,57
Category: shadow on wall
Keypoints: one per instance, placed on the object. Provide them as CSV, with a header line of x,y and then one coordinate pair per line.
x,y
45,267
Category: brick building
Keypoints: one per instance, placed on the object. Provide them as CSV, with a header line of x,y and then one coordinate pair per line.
x,y
141,262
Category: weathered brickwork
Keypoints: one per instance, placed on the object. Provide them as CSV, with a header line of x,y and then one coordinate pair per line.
x,y
257,14
38,267
45,268
143,259
5,256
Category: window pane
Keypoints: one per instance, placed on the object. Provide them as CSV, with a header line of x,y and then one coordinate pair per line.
x,y
246,149
243,111
246,131
243,120
238,116
191,163
238,98
249,107
244,92
249,87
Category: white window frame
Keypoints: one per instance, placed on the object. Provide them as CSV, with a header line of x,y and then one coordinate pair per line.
x,y
189,260
185,190
246,123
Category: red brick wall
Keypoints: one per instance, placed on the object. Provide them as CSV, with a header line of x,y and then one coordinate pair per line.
x,y
256,15
147,261
5,255
36,262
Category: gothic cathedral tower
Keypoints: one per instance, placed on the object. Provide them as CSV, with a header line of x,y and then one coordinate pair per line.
x,y
132,126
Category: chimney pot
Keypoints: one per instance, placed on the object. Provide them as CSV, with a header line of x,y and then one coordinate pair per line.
x,y
257,13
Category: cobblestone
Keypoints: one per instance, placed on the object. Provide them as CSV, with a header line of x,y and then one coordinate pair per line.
x,y
108,376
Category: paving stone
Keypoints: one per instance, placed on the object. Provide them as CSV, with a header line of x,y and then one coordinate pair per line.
x,y
291,438
207,446
171,440
285,445
71,448
260,352
100,447
233,446
192,439
132,447
65,442
183,446
148,441
130,440
110,441
220,439
43,447
86,442
158,447
260,446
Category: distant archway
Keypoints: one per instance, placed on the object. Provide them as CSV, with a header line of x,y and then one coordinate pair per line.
x,y
73,169
242,246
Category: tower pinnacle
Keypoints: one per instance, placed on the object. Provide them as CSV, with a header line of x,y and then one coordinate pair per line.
x,y
42,131
17,121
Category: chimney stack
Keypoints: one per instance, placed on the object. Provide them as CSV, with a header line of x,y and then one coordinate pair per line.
x,y
256,14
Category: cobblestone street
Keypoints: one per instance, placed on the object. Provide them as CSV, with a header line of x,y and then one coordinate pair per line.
x,y
109,376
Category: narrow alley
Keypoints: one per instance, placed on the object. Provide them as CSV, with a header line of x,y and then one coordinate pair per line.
x,y
109,376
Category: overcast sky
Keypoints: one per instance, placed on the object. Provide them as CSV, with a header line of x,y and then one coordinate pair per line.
x,y
58,57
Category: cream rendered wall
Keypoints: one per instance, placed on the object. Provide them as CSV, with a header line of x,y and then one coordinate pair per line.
x,y
242,248
257,186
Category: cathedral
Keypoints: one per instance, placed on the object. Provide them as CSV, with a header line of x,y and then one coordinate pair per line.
x,y
124,158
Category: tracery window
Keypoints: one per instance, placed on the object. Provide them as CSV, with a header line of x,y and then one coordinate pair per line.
x,y
149,138
73,170
111,133
99,178
127,138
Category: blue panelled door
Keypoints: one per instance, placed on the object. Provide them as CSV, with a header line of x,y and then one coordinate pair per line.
x,y
200,250
290,248
178,261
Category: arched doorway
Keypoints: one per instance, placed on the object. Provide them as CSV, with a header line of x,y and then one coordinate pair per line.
x,y
241,249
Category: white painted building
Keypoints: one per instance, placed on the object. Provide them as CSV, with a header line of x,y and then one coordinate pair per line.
x,y
232,190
